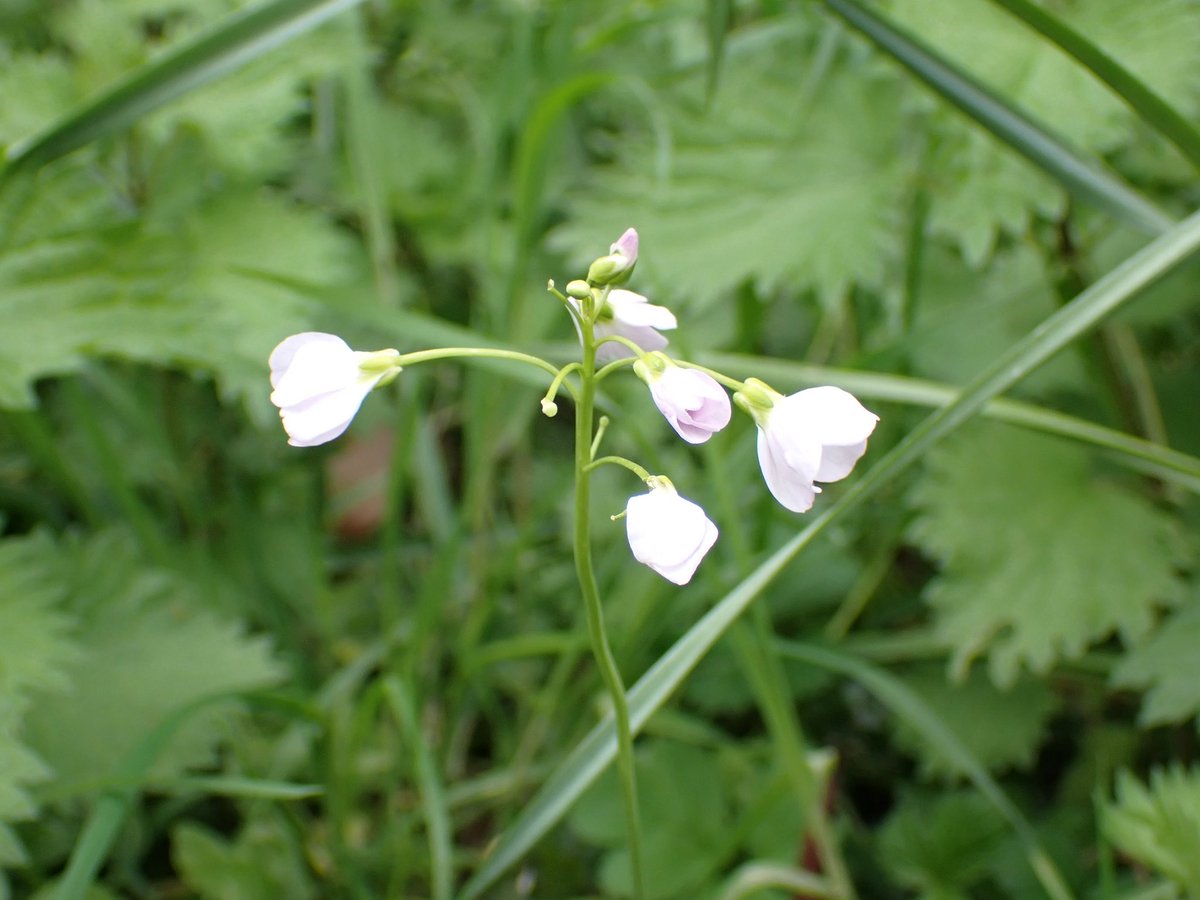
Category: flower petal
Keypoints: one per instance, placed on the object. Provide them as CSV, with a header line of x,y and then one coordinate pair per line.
x,y
789,459
322,418
282,356
635,311
315,368
831,415
668,533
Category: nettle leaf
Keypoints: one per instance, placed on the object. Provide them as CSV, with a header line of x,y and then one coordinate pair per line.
x,y
768,185
980,187
212,288
1168,665
1034,551
963,318
941,846
1002,728
1159,826
148,646
35,651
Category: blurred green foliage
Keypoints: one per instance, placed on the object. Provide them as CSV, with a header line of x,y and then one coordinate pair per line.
x,y
199,624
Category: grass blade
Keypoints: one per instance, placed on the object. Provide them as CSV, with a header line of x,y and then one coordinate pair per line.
x,y
433,797
906,705
598,749
1149,105
237,40
1082,176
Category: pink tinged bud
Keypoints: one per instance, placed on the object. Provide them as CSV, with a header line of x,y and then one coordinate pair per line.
x,y
692,402
813,435
626,246
617,267
319,384
635,318
668,533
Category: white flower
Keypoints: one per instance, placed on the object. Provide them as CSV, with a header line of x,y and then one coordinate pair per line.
x,y
692,401
667,532
319,384
631,316
814,435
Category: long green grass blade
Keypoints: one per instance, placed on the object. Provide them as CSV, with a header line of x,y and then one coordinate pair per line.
x,y
1133,452
1082,176
236,41
433,796
1153,109
906,705
597,750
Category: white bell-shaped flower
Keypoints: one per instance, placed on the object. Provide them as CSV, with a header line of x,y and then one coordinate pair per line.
x,y
690,400
668,533
634,317
813,435
319,384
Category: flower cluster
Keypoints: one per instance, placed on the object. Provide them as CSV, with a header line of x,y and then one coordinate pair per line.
x,y
814,435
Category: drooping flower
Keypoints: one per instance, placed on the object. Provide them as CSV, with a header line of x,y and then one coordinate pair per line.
x,y
617,267
814,435
690,400
319,384
668,533
634,317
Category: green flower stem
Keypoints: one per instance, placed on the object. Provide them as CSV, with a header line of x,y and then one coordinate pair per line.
x,y
613,366
732,383
620,461
421,356
584,414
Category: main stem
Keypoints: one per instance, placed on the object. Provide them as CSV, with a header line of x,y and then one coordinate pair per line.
x,y
584,414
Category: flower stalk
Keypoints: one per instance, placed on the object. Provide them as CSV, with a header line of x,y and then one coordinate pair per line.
x,y
584,425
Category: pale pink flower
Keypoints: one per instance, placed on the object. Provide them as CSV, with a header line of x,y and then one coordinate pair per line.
x,y
668,533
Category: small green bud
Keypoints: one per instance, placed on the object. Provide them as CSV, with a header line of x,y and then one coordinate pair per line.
x,y
755,399
578,289
617,267
549,408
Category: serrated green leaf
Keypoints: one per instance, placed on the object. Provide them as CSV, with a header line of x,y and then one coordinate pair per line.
x,y
1168,667
148,647
35,652
1160,825
211,289
1001,729
263,861
962,317
1035,552
941,846
764,187
684,811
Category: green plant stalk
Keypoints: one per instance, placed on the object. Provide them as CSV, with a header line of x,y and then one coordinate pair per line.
x,y
584,415
1149,105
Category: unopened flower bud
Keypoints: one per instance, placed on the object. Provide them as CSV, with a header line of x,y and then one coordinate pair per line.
x,y
578,289
617,266
549,408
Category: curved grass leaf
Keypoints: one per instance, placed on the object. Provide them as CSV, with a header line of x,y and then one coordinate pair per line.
x,y
1136,453
241,38
1144,101
921,717
1079,174
597,750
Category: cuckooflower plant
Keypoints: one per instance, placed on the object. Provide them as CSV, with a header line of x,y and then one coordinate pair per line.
x,y
813,435
690,400
666,532
319,384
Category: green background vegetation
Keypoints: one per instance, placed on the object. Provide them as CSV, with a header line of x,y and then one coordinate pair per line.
x,y
234,669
